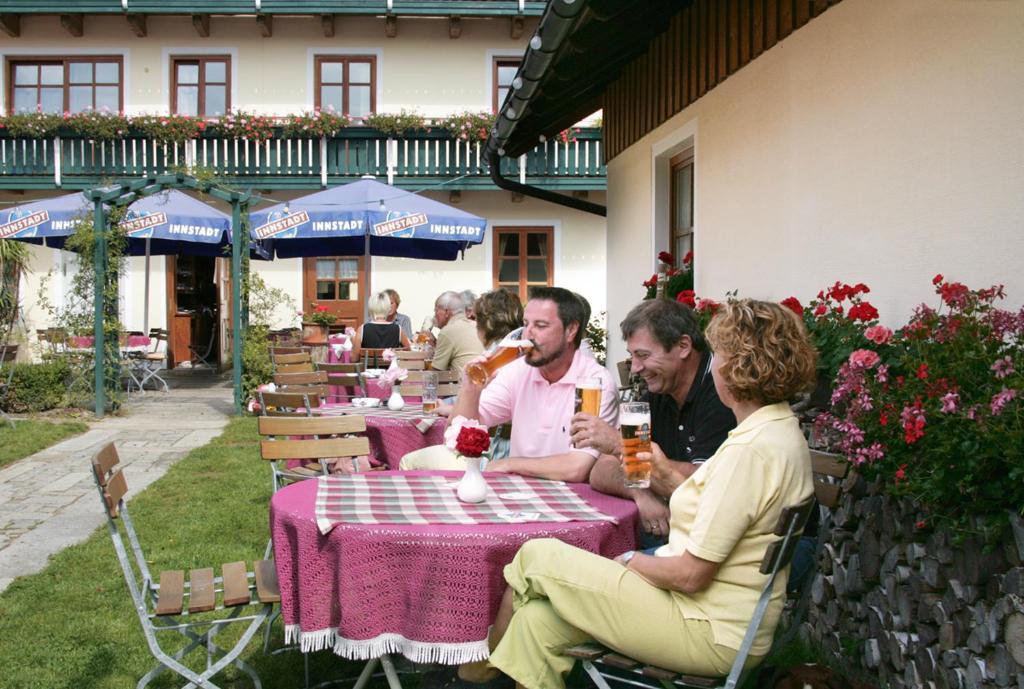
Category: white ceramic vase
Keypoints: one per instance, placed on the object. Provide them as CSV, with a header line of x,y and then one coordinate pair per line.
x,y
395,402
472,487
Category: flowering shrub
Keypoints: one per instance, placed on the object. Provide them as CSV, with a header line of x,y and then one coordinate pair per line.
x,y
314,124
468,126
97,124
836,321
679,279
31,125
245,125
395,124
320,314
568,136
169,128
934,409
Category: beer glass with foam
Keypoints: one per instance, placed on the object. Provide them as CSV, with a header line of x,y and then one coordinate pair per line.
x,y
635,427
588,396
507,351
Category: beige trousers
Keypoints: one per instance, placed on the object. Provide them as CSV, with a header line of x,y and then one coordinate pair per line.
x,y
565,596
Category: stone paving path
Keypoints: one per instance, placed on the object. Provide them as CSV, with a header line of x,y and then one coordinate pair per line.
x,y
48,501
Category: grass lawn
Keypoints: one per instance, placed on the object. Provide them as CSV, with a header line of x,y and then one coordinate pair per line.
x,y
72,625
30,436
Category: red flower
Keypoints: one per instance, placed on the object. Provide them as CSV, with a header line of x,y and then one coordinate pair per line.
x,y
688,258
707,305
883,419
937,279
954,293
863,311
922,372
793,304
687,297
820,310
901,473
201,124
666,257
472,442
920,524
320,308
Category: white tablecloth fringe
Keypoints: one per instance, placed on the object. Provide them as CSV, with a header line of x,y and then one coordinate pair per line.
x,y
365,649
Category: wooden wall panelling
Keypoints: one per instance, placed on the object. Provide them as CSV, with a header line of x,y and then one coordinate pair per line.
x,y
721,42
771,23
702,72
785,18
734,38
743,24
757,28
803,13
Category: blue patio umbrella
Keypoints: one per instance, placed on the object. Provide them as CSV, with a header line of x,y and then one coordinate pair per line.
x,y
170,223
367,217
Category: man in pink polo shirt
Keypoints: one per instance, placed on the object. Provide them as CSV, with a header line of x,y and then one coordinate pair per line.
x,y
537,392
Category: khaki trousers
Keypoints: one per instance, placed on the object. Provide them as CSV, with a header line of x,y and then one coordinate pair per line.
x,y
565,596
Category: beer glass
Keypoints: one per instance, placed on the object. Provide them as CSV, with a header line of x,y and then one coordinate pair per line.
x,y
429,397
635,427
506,352
588,396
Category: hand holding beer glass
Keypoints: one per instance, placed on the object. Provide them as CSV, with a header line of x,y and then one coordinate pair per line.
x,y
635,427
507,351
588,396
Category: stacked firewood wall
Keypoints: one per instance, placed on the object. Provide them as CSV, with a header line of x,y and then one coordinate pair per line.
x,y
912,607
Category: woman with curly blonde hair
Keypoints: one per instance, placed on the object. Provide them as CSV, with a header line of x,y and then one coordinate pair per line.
x,y
686,606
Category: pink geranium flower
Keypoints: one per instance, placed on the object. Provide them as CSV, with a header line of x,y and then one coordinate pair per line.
x,y
878,334
863,358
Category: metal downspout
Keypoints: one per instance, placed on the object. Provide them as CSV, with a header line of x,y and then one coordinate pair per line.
x,y
494,162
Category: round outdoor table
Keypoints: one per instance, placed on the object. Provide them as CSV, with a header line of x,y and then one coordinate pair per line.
x,y
429,592
392,434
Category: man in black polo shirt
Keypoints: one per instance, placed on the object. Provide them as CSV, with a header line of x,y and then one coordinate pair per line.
x,y
688,421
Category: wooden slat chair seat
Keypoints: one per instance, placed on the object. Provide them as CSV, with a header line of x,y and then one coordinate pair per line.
x,y
354,367
777,556
164,608
411,360
372,357
311,439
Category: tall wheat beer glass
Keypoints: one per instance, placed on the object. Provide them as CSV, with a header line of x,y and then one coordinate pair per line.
x,y
506,352
635,426
588,396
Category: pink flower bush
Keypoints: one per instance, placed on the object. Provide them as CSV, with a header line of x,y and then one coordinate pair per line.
x,y
934,407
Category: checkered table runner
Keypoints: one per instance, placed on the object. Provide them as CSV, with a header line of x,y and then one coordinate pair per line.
x,y
424,499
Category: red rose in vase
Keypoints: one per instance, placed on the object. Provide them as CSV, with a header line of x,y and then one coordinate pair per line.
x,y
472,442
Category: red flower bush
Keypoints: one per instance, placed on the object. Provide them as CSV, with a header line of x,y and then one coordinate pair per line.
x,y
472,442
835,329
951,378
793,304
687,297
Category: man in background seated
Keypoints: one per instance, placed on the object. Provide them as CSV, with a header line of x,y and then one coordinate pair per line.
x,y
537,392
688,421
457,343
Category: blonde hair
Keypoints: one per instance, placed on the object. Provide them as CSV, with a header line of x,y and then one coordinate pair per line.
x,y
378,304
767,354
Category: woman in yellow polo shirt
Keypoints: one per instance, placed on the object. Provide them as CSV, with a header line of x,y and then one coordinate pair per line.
x,y
686,607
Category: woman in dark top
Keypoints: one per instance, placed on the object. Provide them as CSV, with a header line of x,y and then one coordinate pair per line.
x,y
378,333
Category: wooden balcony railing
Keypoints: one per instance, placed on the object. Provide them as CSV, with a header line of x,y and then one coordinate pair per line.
x,y
417,160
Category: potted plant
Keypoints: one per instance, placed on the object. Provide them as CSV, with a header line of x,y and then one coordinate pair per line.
x,y
316,324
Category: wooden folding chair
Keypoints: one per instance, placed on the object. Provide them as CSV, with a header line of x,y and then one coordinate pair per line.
x,y
276,350
316,439
411,360
595,657
152,362
304,367
296,358
356,367
346,382
371,358
307,378
416,389
166,607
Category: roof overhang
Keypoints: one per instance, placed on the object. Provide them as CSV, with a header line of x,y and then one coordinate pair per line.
x,y
579,48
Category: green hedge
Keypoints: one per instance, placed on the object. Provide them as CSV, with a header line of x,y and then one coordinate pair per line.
x,y
36,387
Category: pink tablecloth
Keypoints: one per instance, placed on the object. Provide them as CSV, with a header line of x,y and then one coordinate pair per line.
x,y
428,592
392,435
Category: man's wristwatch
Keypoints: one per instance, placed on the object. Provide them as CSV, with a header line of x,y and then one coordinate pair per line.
x,y
627,556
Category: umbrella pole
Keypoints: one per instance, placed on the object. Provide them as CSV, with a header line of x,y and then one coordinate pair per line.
x,y
236,301
368,262
145,307
99,280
